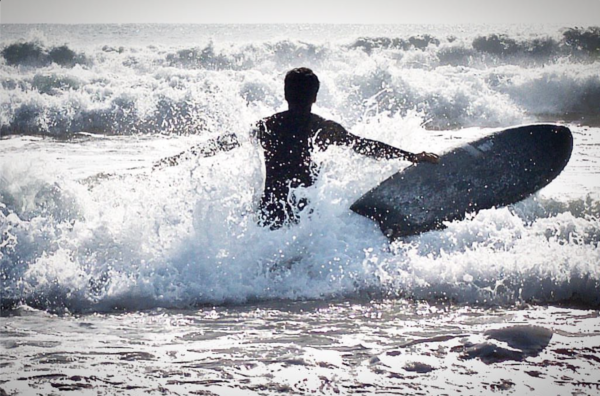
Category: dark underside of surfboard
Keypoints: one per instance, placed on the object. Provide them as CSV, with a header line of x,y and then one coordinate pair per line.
x,y
497,170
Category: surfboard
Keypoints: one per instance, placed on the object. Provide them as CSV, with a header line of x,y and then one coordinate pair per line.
x,y
497,170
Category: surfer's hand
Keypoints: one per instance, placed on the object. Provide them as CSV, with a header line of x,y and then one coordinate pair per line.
x,y
425,157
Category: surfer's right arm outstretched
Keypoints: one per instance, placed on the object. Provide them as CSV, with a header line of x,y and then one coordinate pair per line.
x,y
334,133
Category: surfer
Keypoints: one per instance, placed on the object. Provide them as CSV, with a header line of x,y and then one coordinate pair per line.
x,y
288,139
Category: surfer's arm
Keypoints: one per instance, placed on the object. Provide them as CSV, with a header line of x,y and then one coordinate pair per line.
x,y
379,150
375,149
334,133
206,149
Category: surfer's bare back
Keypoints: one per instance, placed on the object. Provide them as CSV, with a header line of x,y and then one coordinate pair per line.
x,y
288,138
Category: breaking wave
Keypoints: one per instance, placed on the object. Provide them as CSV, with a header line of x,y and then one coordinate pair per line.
x,y
36,55
485,80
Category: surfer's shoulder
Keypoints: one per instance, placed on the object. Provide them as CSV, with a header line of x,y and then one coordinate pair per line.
x,y
327,131
265,126
269,124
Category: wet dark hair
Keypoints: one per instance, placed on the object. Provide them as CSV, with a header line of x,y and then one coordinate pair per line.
x,y
301,86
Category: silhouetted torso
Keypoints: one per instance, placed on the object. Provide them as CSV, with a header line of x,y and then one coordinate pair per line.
x,y
287,139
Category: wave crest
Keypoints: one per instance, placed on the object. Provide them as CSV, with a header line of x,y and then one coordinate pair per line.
x,y
34,54
486,81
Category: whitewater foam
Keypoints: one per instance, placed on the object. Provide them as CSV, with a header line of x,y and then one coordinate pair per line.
x,y
187,235
87,225
54,87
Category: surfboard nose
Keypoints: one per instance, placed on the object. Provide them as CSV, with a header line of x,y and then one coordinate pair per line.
x,y
560,141
563,137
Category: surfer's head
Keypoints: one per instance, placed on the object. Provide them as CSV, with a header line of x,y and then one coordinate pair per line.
x,y
301,87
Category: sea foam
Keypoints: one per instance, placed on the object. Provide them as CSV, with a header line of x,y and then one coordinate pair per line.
x,y
87,225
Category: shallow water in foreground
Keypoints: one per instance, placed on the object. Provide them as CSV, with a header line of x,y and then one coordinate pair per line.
x,y
396,347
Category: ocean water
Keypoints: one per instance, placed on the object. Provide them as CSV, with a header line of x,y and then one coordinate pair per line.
x,y
120,275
